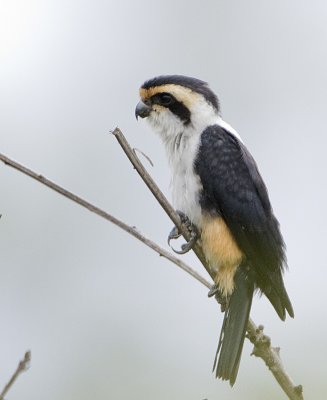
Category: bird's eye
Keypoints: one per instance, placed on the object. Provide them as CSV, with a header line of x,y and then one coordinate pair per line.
x,y
166,99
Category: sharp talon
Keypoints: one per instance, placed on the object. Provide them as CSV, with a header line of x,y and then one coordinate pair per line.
x,y
175,234
182,251
189,245
186,247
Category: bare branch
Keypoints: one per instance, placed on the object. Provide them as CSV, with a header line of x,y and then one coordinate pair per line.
x,y
157,193
84,203
271,356
267,353
22,367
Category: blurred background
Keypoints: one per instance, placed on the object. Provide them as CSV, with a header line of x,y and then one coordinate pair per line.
x,y
104,316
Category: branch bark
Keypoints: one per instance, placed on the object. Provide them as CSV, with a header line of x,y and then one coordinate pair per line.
x,y
271,356
262,347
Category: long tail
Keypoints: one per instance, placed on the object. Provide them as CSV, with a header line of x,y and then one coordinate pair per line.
x,y
233,331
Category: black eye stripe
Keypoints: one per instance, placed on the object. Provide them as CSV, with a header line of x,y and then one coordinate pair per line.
x,y
163,99
176,107
181,111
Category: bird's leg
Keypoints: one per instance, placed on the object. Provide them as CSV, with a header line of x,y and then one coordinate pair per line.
x,y
175,234
221,299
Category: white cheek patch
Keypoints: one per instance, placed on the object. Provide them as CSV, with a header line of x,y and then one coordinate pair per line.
x,y
165,123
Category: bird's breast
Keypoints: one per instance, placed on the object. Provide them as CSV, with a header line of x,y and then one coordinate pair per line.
x,y
186,187
185,183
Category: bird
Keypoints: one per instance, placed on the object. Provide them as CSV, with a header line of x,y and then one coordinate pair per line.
x,y
220,195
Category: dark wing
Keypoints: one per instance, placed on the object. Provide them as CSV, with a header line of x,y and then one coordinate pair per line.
x,y
233,188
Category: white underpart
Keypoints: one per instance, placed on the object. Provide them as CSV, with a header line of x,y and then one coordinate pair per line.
x,y
182,145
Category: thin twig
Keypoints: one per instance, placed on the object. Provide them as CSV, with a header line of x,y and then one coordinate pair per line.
x,y
22,367
144,155
267,353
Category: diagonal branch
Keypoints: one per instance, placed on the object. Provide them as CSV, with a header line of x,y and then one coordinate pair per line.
x,y
255,334
157,193
269,354
101,213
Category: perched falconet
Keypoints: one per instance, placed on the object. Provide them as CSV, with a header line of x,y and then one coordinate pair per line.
x,y
218,191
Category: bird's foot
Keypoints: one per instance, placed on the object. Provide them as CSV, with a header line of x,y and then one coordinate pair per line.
x,y
219,296
175,234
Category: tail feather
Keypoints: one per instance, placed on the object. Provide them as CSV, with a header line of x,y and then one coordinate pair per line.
x,y
278,296
233,331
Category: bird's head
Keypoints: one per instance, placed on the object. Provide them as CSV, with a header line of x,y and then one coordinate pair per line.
x,y
174,103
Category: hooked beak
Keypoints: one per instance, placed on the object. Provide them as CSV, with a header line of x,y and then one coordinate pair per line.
x,y
142,110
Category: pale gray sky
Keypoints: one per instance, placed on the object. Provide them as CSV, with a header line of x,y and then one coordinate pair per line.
x,y
104,317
